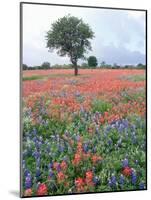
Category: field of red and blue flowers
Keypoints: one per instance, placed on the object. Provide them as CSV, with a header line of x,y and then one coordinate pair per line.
x,y
85,133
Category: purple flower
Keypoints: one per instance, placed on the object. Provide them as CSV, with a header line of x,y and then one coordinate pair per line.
x,y
58,168
38,162
85,148
36,154
121,181
141,186
51,174
125,162
26,172
50,165
28,182
96,180
60,148
134,177
112,181
34,131
38,172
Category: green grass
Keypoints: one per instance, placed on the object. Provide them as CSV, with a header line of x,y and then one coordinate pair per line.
x,y
101,106
39,77
130,96
35,77
135,78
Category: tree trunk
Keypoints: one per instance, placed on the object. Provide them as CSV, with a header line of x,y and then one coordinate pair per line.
x,y
75,69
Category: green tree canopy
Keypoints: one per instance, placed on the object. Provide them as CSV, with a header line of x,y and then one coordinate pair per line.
x,y
45,65
70,37
25,67
92,61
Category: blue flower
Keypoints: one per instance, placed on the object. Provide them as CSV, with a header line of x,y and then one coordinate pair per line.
x,y
51,174
110,142
61,148
34,132
36,154
141,186
85,148
134,177
38,161
121,181
125,162
96,180
28,182
112,181
26,172
50,165
58,168
38,172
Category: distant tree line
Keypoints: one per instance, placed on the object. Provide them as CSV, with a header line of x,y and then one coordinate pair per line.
x,y
91,63
45,65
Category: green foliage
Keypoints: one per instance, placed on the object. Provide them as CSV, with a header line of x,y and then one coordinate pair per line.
x,y
25,67
100,106
35,77
141,66
92,61
45,65
135,78
84,65
70,37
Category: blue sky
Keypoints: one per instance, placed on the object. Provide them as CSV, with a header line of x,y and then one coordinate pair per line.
x,y
119,34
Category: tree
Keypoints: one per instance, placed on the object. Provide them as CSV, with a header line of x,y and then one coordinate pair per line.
x,y
141,66
103,64
45,65
25,67
92,61
84,65
70,37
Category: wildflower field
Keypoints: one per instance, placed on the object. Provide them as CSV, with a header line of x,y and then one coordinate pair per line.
x,y
84,133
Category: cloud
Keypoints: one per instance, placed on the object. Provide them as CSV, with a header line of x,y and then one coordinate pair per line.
x,y
119,34
121,55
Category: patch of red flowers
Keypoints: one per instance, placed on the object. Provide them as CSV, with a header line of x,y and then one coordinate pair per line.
x,y
79,182
63,165
77,159
28,192
42,189
60,177
127,171
89,178
96,158
55,165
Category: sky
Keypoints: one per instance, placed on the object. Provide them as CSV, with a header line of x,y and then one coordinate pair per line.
x,y
119,34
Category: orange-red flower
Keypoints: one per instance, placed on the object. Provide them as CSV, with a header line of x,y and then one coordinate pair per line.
x,y
55,165
63,165
28,192
89,175
42,190
96,158
79,182
127,171
77,159
60,177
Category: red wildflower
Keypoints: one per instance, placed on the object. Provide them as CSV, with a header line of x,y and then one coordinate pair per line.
x,y
28,192
55,165
79,182
77,159
89,175
42,189
60,177
127,171
63,165
96,158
